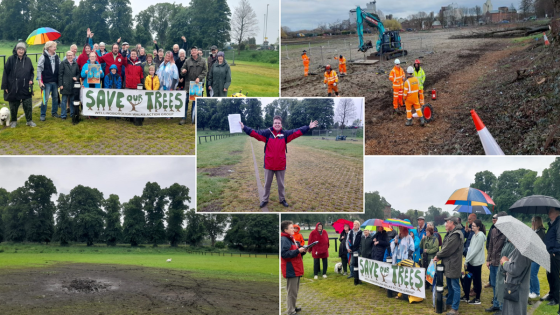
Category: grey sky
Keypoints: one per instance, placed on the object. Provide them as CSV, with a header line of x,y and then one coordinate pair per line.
x,y
123,176
419,182
258,6
308,14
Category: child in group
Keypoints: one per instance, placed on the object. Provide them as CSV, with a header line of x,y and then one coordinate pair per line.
x,y
112,81
152,81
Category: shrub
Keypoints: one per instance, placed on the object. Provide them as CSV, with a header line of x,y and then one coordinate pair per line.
x,y
220,245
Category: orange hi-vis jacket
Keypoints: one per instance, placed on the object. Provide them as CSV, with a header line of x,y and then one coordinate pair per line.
x,y
411,88
305,59
341,61
331,78
397,77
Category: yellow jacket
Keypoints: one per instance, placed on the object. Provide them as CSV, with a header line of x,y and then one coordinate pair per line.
x,y
151,83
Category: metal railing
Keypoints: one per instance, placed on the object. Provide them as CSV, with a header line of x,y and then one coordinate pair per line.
x,y
232,254
217,137
330,238
59,53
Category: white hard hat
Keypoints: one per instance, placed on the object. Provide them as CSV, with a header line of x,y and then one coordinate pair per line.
x,y
397,62
410,70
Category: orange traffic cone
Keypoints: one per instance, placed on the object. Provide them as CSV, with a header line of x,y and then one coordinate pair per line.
x,y
546,42
490,145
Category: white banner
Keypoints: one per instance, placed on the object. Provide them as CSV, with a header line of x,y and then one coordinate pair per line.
x,y
133,103
407,280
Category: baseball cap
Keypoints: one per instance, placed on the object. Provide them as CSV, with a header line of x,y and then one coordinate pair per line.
x,y
194,47
421,218
214,47
453,219
495,216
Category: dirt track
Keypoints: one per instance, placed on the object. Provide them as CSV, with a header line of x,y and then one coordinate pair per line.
x,y
67,289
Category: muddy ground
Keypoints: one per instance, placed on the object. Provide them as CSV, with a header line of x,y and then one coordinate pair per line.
x,y
468,74
115,289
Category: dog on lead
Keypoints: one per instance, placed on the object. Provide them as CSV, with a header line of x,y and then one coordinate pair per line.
x,y
5,116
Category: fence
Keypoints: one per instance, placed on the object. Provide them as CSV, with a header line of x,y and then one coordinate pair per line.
x,y
351,133
217,137
232,254
60,54
330,238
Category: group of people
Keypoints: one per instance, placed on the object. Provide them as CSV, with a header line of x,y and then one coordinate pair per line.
x,y
330,80
408,89
120,68
461,251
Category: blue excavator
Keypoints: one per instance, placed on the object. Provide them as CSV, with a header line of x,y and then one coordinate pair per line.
x,y
389,42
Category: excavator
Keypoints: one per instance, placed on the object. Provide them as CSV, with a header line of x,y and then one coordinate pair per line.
x,y
389,42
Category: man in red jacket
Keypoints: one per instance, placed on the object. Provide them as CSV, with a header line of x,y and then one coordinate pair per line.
x,y
292,264
113,58
133,71
321,250
275,149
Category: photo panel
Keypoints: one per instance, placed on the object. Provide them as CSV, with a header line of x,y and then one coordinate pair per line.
x,y
280,154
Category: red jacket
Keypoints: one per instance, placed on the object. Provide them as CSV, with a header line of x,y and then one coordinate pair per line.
x,y
134,72
297,236
275,148
321,250
109,60
83,58
291,262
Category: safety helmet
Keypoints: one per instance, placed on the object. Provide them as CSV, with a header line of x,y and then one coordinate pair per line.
x,y
340,56
410,70
304,51
397,62
417,61
328,68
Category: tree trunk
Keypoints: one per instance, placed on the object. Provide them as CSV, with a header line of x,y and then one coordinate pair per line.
x,y
213,241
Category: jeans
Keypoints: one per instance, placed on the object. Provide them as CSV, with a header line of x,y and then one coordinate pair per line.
x,y
493,275
454,295
50,88
65,100
535,286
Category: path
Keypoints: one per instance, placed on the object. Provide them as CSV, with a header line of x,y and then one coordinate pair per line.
x,y
259,185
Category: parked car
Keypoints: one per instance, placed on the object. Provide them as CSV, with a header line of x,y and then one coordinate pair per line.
x,y
504,22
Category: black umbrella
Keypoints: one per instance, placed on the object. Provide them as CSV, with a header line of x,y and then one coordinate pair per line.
x,y
536,204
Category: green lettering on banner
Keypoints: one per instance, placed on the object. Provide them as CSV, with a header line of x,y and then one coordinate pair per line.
x,y
395,269
405,282
420,281
171,100
375,270
158,100
164,101
179,100
92,100
120,96
150,102
361,262
101,99
110,98
401,271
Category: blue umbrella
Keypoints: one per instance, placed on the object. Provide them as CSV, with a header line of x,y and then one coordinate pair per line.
x,y
473,209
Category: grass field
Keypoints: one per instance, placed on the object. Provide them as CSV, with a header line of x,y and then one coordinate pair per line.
x,y
255,79
33,255
226,168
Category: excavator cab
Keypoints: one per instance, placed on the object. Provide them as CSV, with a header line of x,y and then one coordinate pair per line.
x,y
389,42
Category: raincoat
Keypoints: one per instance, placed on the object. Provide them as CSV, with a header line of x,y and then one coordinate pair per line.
x,y
168,76
297,236
321,250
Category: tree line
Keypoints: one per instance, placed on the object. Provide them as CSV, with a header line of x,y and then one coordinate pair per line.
x,y
203,22
158,216
213,114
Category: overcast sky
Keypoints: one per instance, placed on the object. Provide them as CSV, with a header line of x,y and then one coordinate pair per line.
x,y
123,176
308,14
258,6
419,182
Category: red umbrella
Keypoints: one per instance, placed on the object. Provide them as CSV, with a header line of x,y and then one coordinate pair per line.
x,y
338,225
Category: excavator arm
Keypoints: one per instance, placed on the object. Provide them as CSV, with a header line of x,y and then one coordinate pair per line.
x,y
373,21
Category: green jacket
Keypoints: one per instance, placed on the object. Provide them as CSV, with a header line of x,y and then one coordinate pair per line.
x,y
195,69
219,78
451,253
421,76
430,245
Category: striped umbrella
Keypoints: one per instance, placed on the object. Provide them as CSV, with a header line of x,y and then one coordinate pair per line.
x,y
473,209
42,35
469,197
399,222
371,225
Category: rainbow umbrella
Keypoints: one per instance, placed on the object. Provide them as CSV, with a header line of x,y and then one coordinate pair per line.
x,y
371,225
338,225
469,197
42,35
399,222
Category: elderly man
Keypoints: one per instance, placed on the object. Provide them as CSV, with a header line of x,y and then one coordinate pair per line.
x,y
552,242
18,68
194,69
452,260
353,244
421,229
496,240
48,67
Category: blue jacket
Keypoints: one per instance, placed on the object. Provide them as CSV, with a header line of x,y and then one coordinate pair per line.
x,y
112,81
84,75
416,255
468,241
552,238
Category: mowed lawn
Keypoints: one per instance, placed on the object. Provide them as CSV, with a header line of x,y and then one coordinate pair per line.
x,y
228,267
254,79
337,288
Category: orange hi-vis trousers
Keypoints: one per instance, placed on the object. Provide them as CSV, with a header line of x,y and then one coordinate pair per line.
x,y
332,88
411,97
342,69
421,97
305,68
397,97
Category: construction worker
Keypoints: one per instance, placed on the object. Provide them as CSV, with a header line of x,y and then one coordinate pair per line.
x,y
421,76
305,59
410,96
397,76
341,65
331,79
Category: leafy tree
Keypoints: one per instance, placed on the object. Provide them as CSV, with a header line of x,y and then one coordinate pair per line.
x,y
253,231
485,181
40,215
269,111
4,197
16,19
178,195
237,235
549,183
508,189
64,229
154,201
432,212
195,231
206,109
52,13
134,221
215,225
142,35
374,205
253,113
120,19
156,18
85,207
91,14
15,215
113,230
